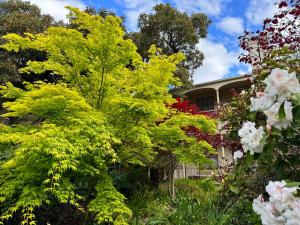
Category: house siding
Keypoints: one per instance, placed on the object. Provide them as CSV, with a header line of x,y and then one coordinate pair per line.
x,y
218,90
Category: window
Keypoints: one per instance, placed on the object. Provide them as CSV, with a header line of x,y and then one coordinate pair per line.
x,y
206,104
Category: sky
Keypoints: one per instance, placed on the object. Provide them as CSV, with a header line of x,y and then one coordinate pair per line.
x,y
229,19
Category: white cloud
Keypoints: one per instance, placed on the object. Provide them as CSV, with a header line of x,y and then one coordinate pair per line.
x,y
232,25
217,63
56,7
209,7
131,3
133,8
258,10
247,70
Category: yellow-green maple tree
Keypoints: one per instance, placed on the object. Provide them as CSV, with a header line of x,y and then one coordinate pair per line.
x,y
104,110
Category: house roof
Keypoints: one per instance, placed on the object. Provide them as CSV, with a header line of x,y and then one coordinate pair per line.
x,y
216,84
221,80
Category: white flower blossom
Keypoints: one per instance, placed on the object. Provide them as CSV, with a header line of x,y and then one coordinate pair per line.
x,y
252,138
282,208
258,204
293,214
279,192
237,155
282,84
280,87
267,212
261,103
273,118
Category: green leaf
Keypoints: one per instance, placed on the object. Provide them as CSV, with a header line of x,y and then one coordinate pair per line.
x,y
249,158
293,184
281,112
234,189
296,99
252,116
275,134
270,146
282,146
296,113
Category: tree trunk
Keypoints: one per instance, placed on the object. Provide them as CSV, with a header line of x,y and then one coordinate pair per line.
x,y
172,166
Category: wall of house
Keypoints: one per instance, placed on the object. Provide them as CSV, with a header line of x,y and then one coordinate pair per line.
x,y
225,96
191,171
224,155
186,171
194,97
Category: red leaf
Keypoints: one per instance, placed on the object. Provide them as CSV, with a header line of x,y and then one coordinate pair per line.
x,y
282,4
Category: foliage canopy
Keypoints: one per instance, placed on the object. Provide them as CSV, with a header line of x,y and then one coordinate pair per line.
x,y
20,17
60,141
173,31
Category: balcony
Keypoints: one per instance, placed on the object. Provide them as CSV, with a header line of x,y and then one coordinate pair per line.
x,y
208,96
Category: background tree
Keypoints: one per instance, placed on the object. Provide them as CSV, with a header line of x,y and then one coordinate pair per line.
x,y
19,17
173,31
101,12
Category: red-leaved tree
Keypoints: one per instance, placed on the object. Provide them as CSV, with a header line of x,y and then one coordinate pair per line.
x,y
216,140
283,30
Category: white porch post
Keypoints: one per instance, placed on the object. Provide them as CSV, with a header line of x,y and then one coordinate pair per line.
x,y
223,149
218,97
218,104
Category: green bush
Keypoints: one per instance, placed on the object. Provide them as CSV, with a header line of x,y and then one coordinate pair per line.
x,y
196,203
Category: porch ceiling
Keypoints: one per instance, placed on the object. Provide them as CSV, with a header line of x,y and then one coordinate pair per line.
x,y
219,84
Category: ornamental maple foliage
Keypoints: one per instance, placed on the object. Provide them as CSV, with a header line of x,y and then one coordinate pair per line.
x,y
215,140
280,31
188,107
61,141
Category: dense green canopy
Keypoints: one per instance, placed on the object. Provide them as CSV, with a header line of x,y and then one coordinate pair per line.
x,y
19,17
60,141
173,31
